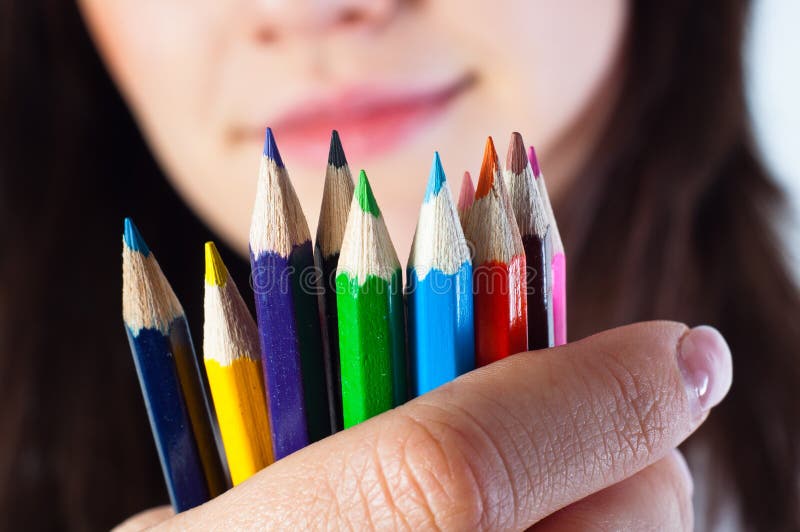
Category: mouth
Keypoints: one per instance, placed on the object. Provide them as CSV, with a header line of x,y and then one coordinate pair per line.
x,y
370,120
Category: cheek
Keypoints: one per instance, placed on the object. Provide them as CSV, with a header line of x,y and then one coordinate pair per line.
x,y
544,60
162,55
167,57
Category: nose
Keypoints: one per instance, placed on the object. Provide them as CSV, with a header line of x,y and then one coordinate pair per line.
x,y
275,18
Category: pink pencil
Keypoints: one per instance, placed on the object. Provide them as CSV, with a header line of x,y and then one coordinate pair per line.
x,y
559,263
466,197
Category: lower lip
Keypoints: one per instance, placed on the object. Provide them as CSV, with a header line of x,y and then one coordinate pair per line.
x,y
367,130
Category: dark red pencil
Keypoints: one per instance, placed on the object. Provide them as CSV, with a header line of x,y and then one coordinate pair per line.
x,y
534,228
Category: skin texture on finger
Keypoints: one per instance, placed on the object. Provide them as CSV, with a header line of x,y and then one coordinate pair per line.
x,y
657,498
500,448
144,520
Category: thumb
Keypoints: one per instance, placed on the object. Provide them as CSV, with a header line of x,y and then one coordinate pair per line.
x,y
501,447
144,520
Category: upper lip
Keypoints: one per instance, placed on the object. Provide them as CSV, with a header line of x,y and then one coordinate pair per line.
x,y
339,106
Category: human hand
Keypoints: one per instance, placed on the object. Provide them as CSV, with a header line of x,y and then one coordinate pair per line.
x,y
580,436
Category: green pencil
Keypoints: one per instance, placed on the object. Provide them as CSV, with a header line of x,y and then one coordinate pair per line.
x,y
370,307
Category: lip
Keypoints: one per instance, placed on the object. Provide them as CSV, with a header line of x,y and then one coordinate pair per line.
x,y
370,120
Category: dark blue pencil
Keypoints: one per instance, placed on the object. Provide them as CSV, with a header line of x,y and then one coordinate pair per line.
x,y
169,377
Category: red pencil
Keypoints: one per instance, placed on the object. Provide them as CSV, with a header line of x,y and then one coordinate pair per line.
x,y
499,284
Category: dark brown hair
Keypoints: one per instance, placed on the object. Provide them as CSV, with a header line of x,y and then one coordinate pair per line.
x,y
672,220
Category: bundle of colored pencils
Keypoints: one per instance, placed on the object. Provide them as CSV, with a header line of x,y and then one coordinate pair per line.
x,y
330,346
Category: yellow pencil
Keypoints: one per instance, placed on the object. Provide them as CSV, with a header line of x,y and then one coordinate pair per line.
x,y
232,358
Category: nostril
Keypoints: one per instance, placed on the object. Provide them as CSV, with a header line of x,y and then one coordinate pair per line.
x,y
350,16
266,35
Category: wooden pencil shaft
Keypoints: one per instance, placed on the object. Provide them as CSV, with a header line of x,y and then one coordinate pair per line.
x,y
538,252
305,288
501,327
559,272
328,267
280,353
372,346
199,407
441,332
169,418
238,393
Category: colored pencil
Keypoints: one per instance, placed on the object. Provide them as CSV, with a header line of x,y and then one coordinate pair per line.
x,y
169,377
466,196
286,292
370,306
559,262
439,292
499,283
336,198
534,228
233,363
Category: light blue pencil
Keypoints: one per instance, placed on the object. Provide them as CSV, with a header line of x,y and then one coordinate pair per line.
x,y
439,291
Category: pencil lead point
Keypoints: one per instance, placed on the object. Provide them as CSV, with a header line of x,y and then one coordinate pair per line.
x,y
516,158
336,152
363,194
216,272
133,238
271,148
488,170
466,195
537,171
436,179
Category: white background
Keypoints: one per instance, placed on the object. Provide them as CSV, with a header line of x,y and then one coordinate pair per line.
x,y
773,66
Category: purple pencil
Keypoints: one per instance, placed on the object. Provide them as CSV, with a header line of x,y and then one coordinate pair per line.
x,y
285,288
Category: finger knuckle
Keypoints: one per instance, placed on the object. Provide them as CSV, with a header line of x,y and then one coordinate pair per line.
x,y
424,476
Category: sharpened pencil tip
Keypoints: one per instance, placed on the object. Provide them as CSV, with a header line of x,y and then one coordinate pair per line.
x,y
537,171
436,179
271,148
489,167
216,272
516,158
133,238
366,199
336,152
466,196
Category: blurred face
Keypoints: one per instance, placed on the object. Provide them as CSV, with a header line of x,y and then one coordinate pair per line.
x,y
398,79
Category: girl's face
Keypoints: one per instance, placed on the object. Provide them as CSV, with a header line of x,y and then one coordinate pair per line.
x,y
398,79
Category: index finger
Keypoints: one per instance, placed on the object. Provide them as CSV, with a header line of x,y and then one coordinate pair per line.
x,y
503,446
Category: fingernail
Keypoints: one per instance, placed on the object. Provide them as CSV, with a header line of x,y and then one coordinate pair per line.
x,y
705,363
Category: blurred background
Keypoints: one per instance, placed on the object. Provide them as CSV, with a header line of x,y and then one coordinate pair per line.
x,y
773,66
